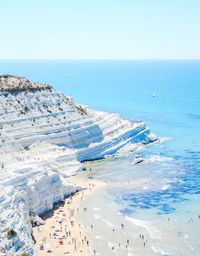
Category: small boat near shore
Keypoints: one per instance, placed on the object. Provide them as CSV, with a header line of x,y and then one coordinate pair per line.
x,y
137,160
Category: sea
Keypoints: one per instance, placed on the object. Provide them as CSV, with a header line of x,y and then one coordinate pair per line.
x,y
150,208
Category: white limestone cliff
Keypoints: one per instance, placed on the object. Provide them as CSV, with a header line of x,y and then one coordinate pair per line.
x,y
44,137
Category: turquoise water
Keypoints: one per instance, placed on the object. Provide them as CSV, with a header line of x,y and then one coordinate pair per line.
x,y
164,94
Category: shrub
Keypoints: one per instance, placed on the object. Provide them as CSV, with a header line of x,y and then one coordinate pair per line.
x,y
11,233
24,254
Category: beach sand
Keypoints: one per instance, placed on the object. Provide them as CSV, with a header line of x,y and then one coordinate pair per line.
x,y
62,234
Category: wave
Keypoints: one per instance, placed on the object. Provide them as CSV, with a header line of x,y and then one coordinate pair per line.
x,y
158,158
96,209
97,216
165,187
99,237
109,224
164,139
153,232
160,251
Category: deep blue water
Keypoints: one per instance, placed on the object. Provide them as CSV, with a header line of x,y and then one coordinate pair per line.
x,y
164,94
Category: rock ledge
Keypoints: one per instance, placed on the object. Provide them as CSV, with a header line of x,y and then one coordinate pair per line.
x,y
14,84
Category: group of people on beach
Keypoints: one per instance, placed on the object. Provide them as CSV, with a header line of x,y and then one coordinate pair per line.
x,y
68,236
66,232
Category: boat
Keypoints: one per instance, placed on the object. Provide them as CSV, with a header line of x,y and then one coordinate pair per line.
x,y
137,160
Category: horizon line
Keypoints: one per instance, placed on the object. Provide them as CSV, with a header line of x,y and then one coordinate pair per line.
x,y
101,59
180,59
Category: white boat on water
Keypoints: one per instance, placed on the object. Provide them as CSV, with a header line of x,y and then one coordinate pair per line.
x,y
137,160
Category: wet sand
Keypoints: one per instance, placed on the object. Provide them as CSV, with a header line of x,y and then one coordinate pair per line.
x,y
62,234
89,225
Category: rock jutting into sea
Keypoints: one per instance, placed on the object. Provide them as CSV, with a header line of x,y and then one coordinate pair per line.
x,y
44,138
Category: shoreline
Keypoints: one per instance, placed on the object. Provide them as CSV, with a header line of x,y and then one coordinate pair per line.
x,y
62,233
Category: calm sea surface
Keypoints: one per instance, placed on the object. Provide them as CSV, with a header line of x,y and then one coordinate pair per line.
x,y
161,196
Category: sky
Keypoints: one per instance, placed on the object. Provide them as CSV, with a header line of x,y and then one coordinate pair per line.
x,y
100,29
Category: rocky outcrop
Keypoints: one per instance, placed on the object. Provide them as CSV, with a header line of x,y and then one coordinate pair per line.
x,y
44,137
15,84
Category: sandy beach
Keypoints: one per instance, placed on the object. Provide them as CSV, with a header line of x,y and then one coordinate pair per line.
x,y
62,234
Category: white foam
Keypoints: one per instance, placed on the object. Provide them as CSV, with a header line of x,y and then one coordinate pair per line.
x,y
153,232
97,216
99,237
191,247
160,251
109,224
164,139
96,209
165,187
158,158
110,244
140,148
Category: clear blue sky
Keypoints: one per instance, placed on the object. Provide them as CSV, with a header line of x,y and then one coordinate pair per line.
x,y
100,29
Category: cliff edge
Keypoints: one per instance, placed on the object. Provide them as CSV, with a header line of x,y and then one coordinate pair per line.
x,y
10,83
44,138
